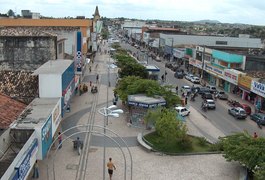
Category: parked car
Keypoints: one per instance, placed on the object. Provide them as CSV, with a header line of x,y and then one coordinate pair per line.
x,y
195,80
246,107
210,103
189,76
183,111
258,116
222,95
185,89
179,74
157,59
207,96
212,88
237,112
203,90
168,65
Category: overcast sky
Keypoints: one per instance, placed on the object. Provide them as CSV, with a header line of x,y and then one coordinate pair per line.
x,y
225,11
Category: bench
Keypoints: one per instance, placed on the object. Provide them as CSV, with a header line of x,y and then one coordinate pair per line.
x,y
142,143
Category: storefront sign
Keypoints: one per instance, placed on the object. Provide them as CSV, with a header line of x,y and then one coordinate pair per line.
x,y
192,61
214,70
46,136
22,169
56,117
195,63
78,56
231,75
258,88
144,105
244,81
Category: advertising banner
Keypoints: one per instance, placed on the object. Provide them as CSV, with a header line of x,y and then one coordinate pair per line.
x,y
46,136
78,55
244,81
258,88
23,167
56,117
214,70
231,75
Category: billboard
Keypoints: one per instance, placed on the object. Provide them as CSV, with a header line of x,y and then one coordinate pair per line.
x,y
78,55
46,136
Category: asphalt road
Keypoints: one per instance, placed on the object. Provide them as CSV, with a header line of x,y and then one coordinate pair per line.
x,y
218,117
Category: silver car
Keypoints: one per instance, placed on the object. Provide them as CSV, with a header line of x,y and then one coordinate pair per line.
x,y
237,112
210,103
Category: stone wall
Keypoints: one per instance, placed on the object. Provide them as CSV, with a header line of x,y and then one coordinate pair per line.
x,y
26,52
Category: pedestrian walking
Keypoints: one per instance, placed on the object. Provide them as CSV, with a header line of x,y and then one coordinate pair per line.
x,y
162,77
255,135
35,171
110,166
186,100
177,89
97,78
60,139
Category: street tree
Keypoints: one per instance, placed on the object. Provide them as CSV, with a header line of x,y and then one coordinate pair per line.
x,y
168,127
129,66
10,13
130,85
248,151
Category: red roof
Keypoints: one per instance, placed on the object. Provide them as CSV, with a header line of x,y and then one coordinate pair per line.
x,y
10,109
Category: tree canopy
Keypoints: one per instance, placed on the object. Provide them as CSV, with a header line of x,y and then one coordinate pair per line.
x,y
128,66
130,85
248,151
166,124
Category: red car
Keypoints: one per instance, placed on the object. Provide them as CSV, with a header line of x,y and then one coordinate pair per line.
x,y
246,107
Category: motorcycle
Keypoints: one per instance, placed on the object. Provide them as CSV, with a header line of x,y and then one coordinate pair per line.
x,y
204,107
231,103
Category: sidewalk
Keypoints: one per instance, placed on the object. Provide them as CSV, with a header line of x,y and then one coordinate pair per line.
x,y
145,165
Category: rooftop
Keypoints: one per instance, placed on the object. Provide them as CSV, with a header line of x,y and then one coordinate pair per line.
x,y
36,113
54,67
10,109
23,31
19,85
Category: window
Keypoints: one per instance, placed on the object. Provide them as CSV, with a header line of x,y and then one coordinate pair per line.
x,y
221,42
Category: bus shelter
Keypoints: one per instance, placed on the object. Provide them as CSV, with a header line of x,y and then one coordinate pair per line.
x,y
139,105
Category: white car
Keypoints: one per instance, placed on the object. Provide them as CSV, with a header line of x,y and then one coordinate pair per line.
x,y
185,89
210,103
183,111
195,80
189,76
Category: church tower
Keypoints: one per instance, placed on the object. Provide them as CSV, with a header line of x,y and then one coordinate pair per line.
x,y
96,15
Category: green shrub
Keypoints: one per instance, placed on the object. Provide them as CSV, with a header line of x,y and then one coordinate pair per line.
x,y
202,141
185,143
217,146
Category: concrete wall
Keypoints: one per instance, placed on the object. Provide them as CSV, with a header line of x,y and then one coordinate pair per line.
x,y
26,53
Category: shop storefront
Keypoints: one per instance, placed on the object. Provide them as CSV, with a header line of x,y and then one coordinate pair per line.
x,y
259,89
244,86
195,66
231,79
215,75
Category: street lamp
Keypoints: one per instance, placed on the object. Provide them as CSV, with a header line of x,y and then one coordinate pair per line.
x,y
106,112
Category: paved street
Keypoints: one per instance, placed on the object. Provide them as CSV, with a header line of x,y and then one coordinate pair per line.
x,y
146,165
219,117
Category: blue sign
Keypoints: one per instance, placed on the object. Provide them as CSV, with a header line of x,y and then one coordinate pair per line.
x,y
23,168
144,105
46,136
78,56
